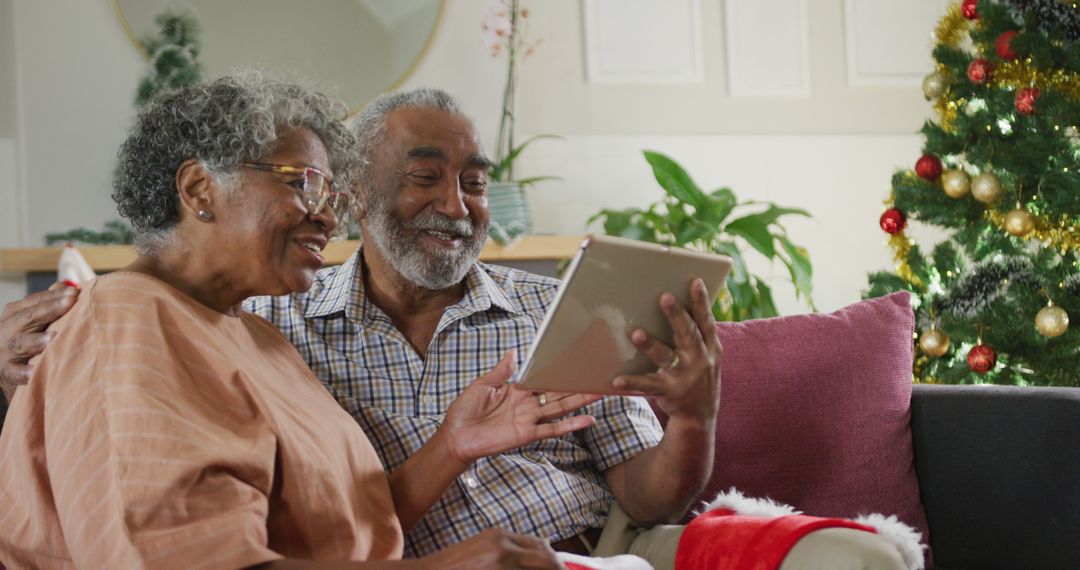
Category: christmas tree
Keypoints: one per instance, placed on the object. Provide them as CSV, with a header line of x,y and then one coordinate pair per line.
x,y
1000,173
173,55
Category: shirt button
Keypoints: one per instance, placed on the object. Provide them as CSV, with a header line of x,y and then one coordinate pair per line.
x,y
427,399
471,482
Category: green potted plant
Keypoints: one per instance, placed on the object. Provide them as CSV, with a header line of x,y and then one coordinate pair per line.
x,y
504,31
716,222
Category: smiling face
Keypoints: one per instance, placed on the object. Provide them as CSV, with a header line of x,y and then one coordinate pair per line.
x,y
427,213
265,236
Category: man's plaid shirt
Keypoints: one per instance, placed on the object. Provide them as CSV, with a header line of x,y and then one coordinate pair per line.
x,y
553,488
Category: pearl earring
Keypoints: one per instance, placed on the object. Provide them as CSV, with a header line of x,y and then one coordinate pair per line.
x,y
204,215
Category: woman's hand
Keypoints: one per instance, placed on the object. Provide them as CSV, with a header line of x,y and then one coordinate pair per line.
x,y
492,416
496,549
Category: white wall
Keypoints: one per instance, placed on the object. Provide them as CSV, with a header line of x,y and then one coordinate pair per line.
x,y
831,150
844,194
11,285
7,70
77,79
77,76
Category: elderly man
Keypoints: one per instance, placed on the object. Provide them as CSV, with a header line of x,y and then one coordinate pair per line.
x,y
399,329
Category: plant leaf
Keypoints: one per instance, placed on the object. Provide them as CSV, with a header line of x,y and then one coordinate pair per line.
x,y
799,267
639,231
498,170
691,231
769,216
738,272
755,232
615,221
765,305
720,204
675,181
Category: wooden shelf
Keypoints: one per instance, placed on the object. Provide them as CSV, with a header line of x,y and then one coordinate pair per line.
x,y
113,257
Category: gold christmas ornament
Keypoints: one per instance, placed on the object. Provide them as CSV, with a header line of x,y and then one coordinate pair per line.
x,y
986,188
1052,321
934,342
1019,222
955,183
934,85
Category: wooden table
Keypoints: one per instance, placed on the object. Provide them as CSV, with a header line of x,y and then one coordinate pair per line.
x,y
538,254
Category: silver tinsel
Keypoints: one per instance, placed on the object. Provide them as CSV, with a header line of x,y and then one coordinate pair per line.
x,y
1072,285
1049,14
985,283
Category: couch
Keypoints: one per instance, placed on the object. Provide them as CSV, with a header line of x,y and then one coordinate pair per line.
x,y
998,467
999,475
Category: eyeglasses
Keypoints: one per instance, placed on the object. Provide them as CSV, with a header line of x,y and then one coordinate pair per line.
x,y
316,192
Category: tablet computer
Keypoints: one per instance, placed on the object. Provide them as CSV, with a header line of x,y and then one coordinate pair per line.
x,y
613,286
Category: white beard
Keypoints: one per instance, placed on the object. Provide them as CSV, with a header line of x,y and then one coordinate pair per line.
x,y
398,242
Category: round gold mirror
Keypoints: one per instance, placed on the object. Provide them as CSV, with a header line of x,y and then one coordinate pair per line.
x,y
352,49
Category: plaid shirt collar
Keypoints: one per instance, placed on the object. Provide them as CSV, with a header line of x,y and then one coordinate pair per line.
x,y
343,290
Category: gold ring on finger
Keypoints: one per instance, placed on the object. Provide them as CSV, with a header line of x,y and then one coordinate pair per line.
x,y
674,362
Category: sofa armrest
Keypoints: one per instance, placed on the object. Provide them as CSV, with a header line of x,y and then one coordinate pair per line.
x,y
999,474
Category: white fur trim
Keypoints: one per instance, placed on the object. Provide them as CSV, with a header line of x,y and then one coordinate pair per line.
x,y
907,539
620,562
73,267
751,507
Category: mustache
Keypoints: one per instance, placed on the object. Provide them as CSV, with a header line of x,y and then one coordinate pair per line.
x,y
434,221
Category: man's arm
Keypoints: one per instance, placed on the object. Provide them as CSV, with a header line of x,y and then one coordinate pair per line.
x,y
23,335
489,417
657,485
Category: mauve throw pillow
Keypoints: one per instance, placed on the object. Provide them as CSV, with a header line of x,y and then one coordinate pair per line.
x,y
815,411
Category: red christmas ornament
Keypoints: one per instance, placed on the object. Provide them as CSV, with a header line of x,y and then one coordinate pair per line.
x,y
929,167
1025,100
1003,44
979,71
893,221
968,9
981,359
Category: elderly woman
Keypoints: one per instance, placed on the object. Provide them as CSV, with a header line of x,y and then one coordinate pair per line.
x,y
165,427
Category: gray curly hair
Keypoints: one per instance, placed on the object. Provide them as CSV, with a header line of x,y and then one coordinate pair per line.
x,y
370,125
222,124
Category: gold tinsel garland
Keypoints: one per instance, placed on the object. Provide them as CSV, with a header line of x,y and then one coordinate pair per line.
x,y
901,246
950,30
947,111
1020,73
1062,236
